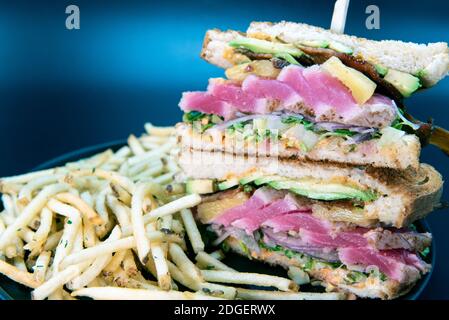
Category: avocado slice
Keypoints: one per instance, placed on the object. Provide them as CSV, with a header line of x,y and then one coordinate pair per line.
x,y
324,191
315,43
250,178
404,82
381,70
227,184
263,46
268,179
340,47
200,186
287,57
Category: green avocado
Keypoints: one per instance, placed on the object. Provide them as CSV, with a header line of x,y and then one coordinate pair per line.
x,y
325,191
287,57
340,47
250,178
267,179
315,43
227,184
381,70
404,82
263,46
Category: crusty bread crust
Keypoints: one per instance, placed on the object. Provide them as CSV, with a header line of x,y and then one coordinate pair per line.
x,y
405,196
431,61
400,155
333,278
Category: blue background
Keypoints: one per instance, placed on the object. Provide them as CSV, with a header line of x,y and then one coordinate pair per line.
x,y
65,89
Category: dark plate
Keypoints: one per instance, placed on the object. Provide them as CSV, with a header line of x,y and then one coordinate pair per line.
x,y
9,290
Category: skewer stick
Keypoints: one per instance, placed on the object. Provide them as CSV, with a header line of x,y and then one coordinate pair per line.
x,y
339,16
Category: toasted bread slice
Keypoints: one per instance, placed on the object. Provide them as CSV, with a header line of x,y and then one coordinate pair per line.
x,y
333,278
430,62
403,196
400,154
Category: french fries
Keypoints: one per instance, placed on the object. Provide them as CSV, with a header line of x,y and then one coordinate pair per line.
x,y
115,262
82,206
48,287
71,226
114,293
183,263
142,242
247,278
159,257
41,234
159,131
100,249
29,212
248,294
218,290
172,207
54,224
41,266
192,230
95,268
207,261
18,275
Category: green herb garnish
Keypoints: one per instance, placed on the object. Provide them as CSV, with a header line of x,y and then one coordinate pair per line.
x,y
425,252
193,116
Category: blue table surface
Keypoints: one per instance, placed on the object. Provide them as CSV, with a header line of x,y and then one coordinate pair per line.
x,y
61,89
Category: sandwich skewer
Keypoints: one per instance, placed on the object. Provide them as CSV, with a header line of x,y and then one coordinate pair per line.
x,y
339,16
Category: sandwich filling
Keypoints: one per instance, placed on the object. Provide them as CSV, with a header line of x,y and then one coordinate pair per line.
x,y
302,110
273,220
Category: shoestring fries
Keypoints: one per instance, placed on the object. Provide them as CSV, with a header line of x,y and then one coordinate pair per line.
x,y
117,225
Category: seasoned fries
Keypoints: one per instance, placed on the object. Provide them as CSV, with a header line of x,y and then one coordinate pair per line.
x,y
29,212
247,294
142,242
261,280
183,263
160,263
116,226
98,250
172,207
207,261
17,275
82,206
192,230
48,287
113,293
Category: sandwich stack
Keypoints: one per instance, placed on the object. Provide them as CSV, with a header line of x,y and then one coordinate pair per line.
x,y
305,156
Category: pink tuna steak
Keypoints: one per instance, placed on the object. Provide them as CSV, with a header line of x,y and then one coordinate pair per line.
x,y
271,89
309,91
235,96
395,264
259,199
252,222
317,232
206,103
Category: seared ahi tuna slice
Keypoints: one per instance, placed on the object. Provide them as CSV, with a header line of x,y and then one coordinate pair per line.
x,y
281,219
260,198
271,89
399,265
206,103
311,92
234,95
251,222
